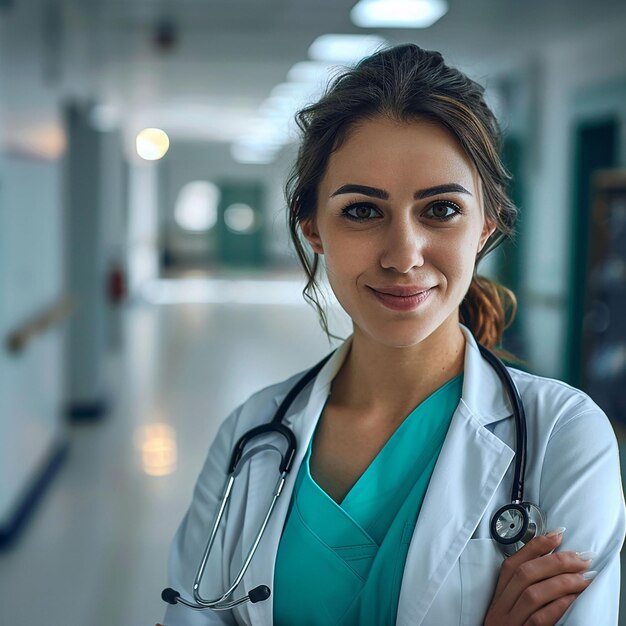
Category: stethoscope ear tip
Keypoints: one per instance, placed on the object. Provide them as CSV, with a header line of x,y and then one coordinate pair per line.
x,y
170,595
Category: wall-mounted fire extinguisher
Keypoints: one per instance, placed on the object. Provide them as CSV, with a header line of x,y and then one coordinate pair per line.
x,y
116,286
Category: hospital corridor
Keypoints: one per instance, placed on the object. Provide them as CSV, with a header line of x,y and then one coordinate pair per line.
x,y
154,251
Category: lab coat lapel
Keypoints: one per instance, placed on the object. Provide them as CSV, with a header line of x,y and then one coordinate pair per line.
x,y
470,467
302,419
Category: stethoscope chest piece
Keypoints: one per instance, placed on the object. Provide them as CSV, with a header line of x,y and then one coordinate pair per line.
x,y
515,524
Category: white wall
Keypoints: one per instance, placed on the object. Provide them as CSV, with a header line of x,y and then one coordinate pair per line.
x,y
31,279
31,263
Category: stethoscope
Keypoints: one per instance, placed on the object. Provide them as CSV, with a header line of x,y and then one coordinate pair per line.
x,y
512,526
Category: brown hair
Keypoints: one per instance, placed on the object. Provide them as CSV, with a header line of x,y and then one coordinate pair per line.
x,y
404,83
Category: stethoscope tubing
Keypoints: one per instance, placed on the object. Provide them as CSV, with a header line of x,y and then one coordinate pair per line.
x,y
517,491
276,426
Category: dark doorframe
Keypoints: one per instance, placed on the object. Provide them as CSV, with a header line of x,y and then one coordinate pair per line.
x,y
596,146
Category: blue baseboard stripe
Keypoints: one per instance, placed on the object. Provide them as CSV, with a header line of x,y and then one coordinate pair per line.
x,y
87,411
10,532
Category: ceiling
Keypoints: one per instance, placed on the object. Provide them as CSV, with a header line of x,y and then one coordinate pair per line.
x,y
227,55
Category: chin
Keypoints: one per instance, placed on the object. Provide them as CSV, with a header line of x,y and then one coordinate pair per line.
x,y
410,331
400,335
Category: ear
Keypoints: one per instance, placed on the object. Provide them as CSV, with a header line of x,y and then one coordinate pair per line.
x,y
311,234
488,230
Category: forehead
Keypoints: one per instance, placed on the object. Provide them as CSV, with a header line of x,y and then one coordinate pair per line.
x,y
385,153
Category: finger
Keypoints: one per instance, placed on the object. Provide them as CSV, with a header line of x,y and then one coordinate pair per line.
x,y
536,547
552,613
536,597
542,569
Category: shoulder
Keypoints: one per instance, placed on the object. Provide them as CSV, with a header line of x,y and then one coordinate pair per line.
x,y
555,405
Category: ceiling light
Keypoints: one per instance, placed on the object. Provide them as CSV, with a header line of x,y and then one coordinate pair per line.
x,y
398,13
297,91
312,72
344,48
196,206
152,144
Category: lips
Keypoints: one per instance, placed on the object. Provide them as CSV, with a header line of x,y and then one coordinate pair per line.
x,y
401,291
402,298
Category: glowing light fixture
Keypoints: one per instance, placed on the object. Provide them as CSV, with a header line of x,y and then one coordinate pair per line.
x,y
398,13
314,72
240,218
196,206
344,48
152,144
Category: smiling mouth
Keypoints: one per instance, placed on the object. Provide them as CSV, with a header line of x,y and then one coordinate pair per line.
x,y
400,291
402,298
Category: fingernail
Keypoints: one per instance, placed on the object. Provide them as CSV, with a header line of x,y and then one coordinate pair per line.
x,y
590,575
556,533
586,556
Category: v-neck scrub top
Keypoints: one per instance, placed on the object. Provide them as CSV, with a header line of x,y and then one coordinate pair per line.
x,y
342,564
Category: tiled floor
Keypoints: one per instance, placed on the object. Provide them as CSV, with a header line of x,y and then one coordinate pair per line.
x,y
95,554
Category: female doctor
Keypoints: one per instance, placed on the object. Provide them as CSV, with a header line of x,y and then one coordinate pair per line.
x,y
406,439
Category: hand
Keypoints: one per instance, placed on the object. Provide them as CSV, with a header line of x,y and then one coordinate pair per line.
x,y
536,587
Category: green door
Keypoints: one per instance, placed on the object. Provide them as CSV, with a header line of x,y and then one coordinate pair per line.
x,y
241,228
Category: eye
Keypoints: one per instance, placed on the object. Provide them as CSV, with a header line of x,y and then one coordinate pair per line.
x,y
444,210
360,211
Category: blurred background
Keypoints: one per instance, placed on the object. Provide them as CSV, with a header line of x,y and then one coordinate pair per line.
x,y
147,285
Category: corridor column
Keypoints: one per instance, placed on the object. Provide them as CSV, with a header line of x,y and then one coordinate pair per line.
x,y
85,266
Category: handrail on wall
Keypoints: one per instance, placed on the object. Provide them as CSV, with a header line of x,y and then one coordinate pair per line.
x,y
54,315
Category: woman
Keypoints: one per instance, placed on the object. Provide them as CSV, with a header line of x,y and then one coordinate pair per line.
x,y
406,440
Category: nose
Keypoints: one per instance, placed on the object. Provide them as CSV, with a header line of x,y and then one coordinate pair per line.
x,y
403,247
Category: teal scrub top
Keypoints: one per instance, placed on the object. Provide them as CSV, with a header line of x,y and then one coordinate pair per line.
x,y
343,563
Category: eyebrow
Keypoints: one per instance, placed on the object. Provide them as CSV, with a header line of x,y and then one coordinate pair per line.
x,y
381,194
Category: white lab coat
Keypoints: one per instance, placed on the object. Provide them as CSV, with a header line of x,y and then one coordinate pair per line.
x,y
452,566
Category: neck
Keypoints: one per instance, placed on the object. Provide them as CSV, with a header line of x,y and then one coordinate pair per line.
x,y
393,381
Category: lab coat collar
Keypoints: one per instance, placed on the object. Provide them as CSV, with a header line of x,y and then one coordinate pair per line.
x,y
483,393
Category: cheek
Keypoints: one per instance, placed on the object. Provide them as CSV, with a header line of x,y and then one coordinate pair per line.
x,y
457,258
347,261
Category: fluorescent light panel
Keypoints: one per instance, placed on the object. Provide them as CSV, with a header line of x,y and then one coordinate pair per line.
x,y
312,72
344,48
398,13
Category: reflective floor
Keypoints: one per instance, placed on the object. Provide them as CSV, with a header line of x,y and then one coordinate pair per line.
x,y
95,553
